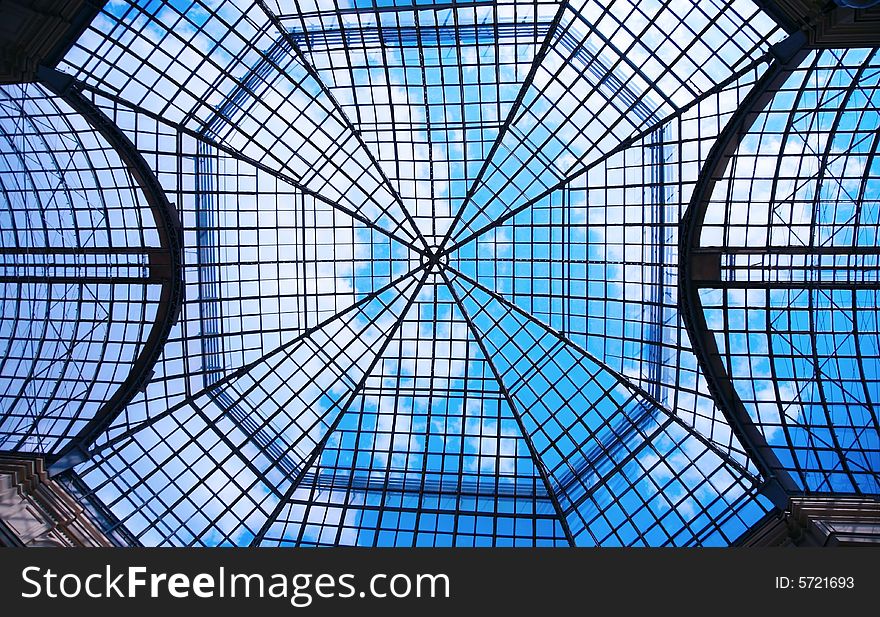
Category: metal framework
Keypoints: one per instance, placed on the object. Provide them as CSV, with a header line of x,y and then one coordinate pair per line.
x,y
782,252
442,271
90,278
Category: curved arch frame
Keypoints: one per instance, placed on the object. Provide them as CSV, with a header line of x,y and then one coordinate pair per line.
x,y
693,264
165,267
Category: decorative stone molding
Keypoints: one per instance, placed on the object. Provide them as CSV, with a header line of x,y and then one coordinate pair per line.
x,y
820,521
829,24
37,511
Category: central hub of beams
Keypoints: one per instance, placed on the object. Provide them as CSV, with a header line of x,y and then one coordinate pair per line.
x,y
434,259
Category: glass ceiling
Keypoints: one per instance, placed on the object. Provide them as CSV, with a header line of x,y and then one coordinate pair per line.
x,y
430,283
794,223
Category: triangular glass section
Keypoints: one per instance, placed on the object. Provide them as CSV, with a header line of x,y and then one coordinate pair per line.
x,y
597,84
227,73
625,472
427,86
429,454
212,470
